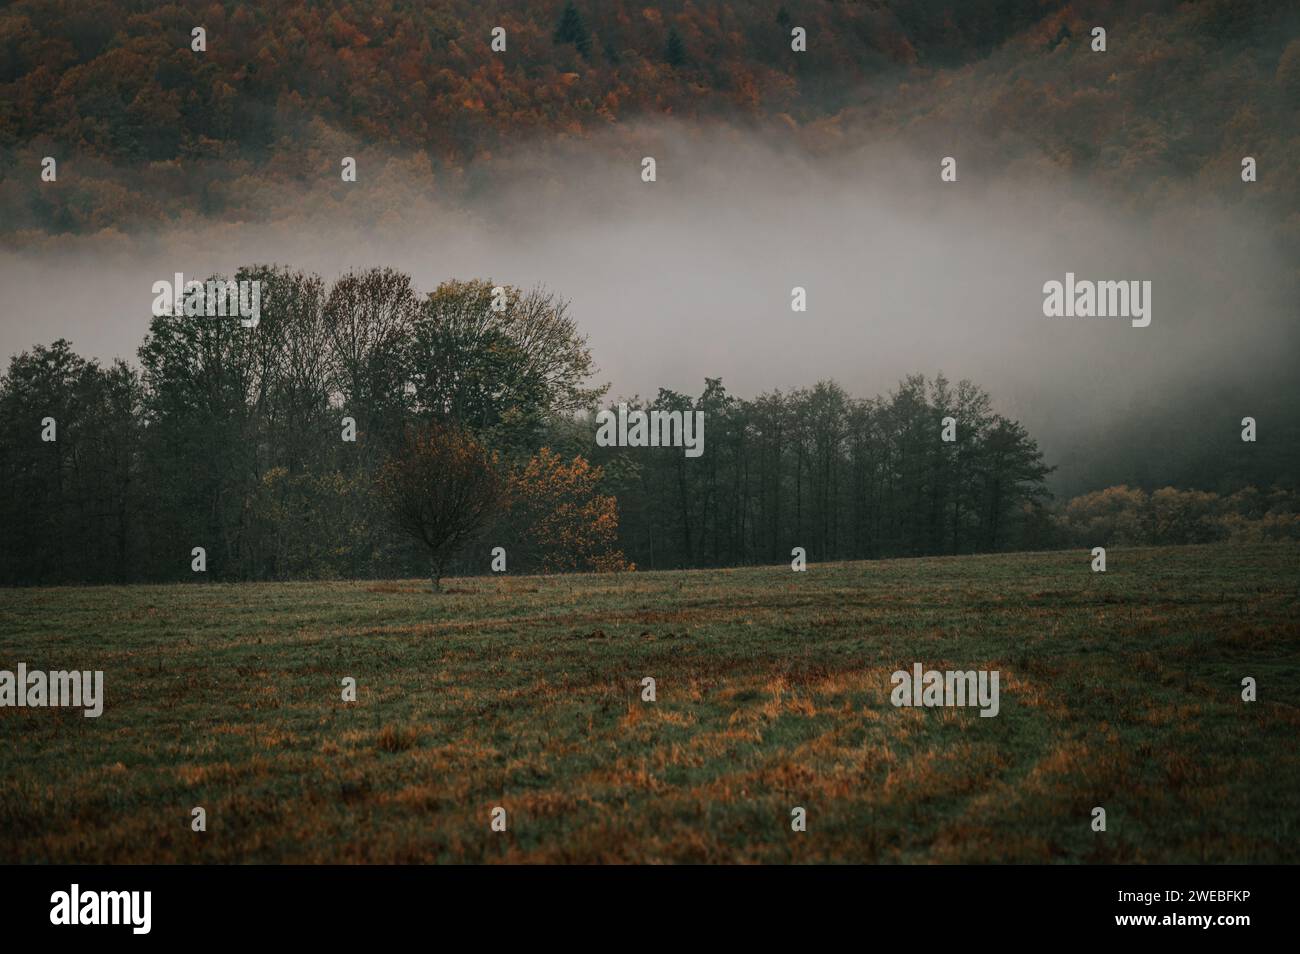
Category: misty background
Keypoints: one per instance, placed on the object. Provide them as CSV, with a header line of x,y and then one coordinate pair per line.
x,y
691,276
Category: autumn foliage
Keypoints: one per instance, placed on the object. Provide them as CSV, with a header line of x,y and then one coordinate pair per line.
x,y
562,521
252,128
1130,516
443,487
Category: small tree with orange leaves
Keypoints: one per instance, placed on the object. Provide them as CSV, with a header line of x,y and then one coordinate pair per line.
x,y
441,488
561,521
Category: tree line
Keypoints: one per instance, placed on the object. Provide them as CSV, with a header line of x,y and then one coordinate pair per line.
x,y
843,478
265,445
303,446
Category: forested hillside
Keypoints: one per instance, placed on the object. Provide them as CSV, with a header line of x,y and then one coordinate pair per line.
x,y
151,131
119,80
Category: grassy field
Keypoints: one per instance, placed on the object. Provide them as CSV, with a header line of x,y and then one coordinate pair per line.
x,y
1119,689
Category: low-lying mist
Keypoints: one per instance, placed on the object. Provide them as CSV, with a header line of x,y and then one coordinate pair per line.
x,y
691,275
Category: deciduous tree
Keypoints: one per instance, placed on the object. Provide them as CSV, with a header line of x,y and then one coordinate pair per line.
x,y
440,488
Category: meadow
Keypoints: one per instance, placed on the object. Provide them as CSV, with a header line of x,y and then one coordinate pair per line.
x,y
1119,689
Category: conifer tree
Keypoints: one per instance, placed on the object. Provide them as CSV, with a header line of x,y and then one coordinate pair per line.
x,y
675,50
572,30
